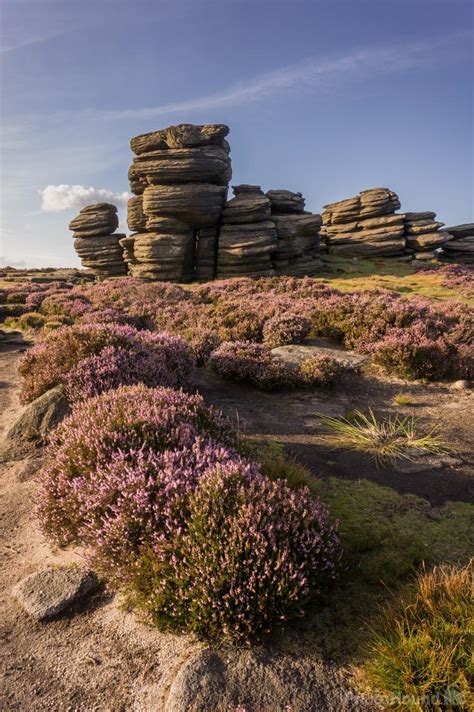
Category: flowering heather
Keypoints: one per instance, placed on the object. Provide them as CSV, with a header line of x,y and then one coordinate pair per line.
x,y
321,371
251,363
50,360
115,366
286,329
138,500
249,556
125,420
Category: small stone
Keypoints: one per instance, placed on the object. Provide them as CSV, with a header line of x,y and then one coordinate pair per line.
x,y
48,593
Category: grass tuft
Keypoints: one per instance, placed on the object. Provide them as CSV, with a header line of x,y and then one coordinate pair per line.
x,y
402,399
421,649
387,440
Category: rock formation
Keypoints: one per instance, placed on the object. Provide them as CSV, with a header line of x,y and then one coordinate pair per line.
x,y
179,176
297,250
95,241
461,246
365,225
423,235
247,237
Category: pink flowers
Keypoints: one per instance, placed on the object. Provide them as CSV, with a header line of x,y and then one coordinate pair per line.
x,y
151,483
54,356
286,329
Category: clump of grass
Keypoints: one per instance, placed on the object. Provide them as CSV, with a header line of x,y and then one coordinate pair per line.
x,y
402,399
277,464
392,438
421,649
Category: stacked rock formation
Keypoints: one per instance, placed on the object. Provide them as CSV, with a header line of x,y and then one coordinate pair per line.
x,y
297,248
95,243
179,177
247,236
423,235
460,248
365,225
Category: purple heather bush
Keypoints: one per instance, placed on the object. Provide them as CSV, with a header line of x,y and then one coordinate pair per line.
x,y
286,329
321,371
128,420
50,360
249,554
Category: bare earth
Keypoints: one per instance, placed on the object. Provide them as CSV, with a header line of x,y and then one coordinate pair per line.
x,y
98,658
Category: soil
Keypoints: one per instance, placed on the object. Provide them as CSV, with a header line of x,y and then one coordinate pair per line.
x,y
97,657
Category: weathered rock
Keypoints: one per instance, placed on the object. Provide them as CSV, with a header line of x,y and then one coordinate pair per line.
x,y
180,136
35,423
293,355
371,203
460,249
285,201
47,594
245,188
246,208
95,220
257,679
206,253
136,219
208,164
196,204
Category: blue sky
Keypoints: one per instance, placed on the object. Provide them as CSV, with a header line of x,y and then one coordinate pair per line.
x,y
323,96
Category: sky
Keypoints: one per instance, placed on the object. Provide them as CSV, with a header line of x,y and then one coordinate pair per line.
x,y
326,97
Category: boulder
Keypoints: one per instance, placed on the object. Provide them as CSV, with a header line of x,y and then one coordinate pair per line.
x,y
246,208
95,220
47,594
285,201
245,188
293,355
31,429
209,164
196,204
180,136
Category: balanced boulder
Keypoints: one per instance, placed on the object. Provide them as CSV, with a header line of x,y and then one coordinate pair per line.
x,y
95,241
423,235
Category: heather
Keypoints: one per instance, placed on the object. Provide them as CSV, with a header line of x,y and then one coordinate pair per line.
x,y
251,554
58,352
253,363
125,420
150,482
432,339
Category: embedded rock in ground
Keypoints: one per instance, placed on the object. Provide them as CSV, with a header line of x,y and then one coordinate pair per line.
x,y
95,220
293,355
257,679
196,204
423,235
460,249
180,136
209,164
48,593
35,423
285,201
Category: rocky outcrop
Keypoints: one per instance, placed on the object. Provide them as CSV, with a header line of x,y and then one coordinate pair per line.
x,y
247,237
365,225
285,201
179,176
423,235
460,248
95,241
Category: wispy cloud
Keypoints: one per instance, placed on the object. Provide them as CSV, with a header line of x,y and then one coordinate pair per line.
x,y
57,198
312,73
27,42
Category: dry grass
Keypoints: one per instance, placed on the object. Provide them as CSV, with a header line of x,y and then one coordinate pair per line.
x,y
422,647
393,438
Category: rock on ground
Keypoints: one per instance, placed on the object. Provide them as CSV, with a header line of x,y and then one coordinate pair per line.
x,y
35,423
257,680
48,593
294,354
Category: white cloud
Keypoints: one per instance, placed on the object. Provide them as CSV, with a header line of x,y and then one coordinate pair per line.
x,y
57,198
314,72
